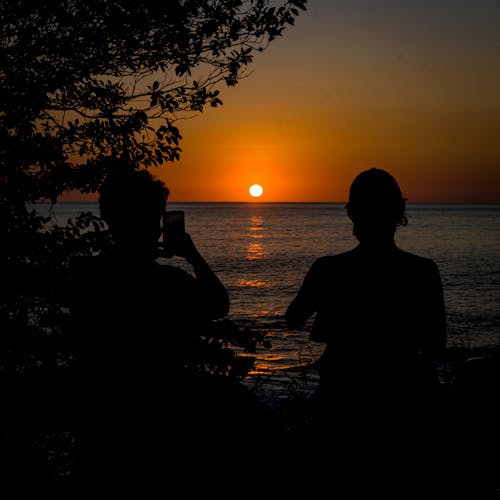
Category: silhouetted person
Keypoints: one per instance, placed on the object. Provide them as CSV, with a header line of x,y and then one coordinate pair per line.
x,y
380,311
135,322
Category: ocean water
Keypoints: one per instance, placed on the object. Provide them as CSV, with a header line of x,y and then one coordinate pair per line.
x,y
261,252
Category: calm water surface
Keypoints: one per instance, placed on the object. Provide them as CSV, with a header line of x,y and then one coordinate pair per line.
x,y
261,252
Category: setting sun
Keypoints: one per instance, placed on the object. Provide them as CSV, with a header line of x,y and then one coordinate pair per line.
x,y
256,190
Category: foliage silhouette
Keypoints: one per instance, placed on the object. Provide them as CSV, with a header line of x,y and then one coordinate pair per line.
x,y
85,84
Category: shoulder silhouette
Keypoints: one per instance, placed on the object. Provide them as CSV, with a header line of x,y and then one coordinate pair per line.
x,y
379,309
135,320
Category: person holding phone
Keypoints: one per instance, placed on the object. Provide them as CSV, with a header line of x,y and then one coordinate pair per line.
x,y
135,320
173,231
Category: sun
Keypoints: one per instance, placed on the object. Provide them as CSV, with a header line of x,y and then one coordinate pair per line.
x,y
256,190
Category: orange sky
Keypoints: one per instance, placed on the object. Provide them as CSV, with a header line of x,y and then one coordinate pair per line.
x,y
411,87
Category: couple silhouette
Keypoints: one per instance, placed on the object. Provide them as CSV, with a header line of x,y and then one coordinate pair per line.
x,y
378,309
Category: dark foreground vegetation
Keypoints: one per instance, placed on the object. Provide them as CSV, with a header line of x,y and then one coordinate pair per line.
x,y
40,422
87,88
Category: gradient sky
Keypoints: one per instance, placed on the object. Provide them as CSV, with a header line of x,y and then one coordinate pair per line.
x,y
409,86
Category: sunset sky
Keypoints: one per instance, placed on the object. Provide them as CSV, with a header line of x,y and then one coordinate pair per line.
x,y
412,87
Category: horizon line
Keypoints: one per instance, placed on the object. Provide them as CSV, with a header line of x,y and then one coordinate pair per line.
x,y
256,202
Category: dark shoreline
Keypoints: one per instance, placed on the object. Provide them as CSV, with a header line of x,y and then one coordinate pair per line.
x,y
46,447
301,381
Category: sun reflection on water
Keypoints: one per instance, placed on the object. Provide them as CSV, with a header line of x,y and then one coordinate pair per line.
x,y
254,283
256,249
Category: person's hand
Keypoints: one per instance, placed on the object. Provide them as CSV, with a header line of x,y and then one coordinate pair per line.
x,y
186,248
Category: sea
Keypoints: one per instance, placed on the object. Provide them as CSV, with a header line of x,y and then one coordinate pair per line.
x,y
261,252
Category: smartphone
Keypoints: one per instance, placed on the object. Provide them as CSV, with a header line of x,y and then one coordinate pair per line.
x,y
173,231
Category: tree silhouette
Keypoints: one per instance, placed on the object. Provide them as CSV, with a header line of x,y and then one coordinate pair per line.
x,y
85,83
86,86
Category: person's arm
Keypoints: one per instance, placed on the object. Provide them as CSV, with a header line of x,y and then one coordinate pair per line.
x,y
304,304
436,329
214,293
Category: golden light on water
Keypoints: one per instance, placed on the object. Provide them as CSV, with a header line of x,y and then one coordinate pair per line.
x,y
256,249
256,283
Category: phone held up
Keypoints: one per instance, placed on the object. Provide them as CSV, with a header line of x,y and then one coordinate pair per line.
x,y
173,231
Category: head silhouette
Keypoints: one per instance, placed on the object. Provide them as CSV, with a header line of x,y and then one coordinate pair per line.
x,y
376,205
132,204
